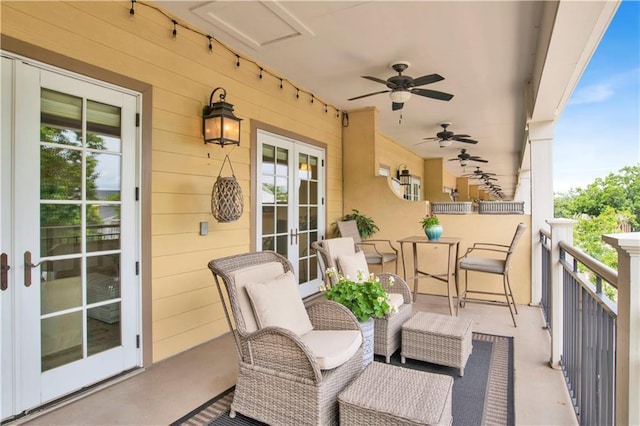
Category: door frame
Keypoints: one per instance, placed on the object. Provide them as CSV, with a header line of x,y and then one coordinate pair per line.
x,y
255,173
53,61
28,79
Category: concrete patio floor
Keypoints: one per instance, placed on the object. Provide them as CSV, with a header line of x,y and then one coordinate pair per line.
x,y
171,388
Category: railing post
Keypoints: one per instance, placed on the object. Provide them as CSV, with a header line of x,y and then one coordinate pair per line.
x,y
628,327
561,230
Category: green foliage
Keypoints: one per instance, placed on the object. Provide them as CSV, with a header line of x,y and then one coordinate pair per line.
x,y
601,208
620,191
366,225
429,220
365,299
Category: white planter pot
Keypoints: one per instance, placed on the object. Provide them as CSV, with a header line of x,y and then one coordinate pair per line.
x,y
367,337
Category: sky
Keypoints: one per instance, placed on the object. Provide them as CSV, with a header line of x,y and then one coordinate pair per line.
x,y
599,132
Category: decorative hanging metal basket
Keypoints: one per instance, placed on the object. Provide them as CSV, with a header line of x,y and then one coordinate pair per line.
x,y
227,203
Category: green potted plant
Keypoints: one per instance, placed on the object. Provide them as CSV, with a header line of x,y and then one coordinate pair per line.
x,y
432,227
365,298
366,225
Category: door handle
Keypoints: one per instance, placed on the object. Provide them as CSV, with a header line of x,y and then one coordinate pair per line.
x,y
293,235
4,268
27,267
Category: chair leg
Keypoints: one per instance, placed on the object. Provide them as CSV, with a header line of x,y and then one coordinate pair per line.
x,y
506,295
515,307
462,295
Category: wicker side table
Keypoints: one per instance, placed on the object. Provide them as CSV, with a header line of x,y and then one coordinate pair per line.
x,y
389,395
436,338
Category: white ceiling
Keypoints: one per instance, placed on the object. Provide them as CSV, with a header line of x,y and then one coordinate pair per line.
x,y
486,52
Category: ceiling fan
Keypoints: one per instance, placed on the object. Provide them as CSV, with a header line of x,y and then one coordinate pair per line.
x,y
446,138
401,87
464,157
479,174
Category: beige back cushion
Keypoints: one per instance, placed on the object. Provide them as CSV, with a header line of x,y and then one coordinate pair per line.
x,y
339,247
277,303
252,274
350,264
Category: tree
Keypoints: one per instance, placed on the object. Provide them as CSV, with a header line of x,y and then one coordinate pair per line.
x,y
620,191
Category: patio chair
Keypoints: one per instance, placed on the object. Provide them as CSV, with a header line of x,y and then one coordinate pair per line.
x,y
491,258
332,254
294,360
370,247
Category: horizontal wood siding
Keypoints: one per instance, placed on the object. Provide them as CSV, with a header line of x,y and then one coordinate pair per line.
x,y
186,307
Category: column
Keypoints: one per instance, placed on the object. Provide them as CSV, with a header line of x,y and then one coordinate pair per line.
x,y
541,141
628,327
561,230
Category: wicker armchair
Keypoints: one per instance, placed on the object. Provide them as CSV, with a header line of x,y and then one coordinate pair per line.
x,y
374,249
387,330
280,380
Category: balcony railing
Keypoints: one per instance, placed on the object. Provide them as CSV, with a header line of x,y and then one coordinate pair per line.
x,y
584,326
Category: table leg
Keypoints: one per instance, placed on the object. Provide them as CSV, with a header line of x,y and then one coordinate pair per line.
x,y
404,264
450,277
415,272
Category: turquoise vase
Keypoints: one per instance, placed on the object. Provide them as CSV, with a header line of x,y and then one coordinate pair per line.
x,y
433,232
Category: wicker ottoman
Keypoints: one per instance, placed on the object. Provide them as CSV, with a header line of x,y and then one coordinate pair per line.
x,y
436,338
389,395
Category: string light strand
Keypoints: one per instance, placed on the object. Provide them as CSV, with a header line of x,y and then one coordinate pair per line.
x,y
212,39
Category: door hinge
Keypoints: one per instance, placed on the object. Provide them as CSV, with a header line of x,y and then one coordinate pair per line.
x,y
322,163
137,193
137,341
323,201
137,268
137,119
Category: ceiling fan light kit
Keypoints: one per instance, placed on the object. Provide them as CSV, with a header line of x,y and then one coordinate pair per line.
x,y
400,96
401,87
444,143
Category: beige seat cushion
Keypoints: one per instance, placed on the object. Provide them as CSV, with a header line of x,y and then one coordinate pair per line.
x,y
332,348
483,264
278,303
350,264
395,300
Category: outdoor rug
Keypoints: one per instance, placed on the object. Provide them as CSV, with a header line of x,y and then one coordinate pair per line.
x,y
483,396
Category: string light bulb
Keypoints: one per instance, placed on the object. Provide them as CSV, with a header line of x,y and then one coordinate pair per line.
x,y
260,75
174,34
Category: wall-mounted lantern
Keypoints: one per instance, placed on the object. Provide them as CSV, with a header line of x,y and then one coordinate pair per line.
x,y
219,124
403,175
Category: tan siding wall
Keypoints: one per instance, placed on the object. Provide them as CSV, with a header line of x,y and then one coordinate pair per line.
x,y
186,307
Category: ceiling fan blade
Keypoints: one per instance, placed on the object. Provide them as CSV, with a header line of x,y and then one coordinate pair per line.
x,y
465,140
433,138
479,160
377,80
427,79
369,94
454,159
434,94
395,106
461,136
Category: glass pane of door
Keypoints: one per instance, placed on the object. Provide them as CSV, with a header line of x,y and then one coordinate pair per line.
x,y
80,185
275,199
307,216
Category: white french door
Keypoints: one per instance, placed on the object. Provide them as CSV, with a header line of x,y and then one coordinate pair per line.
x,y
70,310
290,203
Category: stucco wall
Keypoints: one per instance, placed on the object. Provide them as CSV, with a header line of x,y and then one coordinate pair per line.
x,y
398,218
186,310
